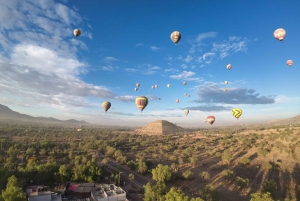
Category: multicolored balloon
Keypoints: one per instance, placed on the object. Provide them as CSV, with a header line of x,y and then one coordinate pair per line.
x,y
184,83
141,102
106,105
186,112
175,37
137,85
228,66
236,112
156,86
279,34
210,119
168,85
77,32
289,63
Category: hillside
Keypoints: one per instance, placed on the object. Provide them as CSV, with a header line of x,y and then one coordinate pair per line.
x,y
7,113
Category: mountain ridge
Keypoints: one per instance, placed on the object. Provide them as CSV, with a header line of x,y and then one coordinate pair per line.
x,y
7,113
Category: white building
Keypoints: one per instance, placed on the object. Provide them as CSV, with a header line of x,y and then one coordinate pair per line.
x,y
108,193
37,193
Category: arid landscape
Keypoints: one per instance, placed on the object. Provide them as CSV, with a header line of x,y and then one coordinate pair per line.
x,y
216,163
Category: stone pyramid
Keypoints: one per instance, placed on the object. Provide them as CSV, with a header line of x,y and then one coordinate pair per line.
x,y
160,127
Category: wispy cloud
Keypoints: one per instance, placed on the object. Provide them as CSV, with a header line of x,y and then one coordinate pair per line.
x,y
146,69
188,58
209,108
186,75
231,46
109,59
107,68
211,93
139,44
154,48
203,36
207,57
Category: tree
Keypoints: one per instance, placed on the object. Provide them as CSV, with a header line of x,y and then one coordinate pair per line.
x,y
227,157
227,174
244,160
261,197
13,191
162,173
176,195
205,176
270,186
210,193
155,192
188,174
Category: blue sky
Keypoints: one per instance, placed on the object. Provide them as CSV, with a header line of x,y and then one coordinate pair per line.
x,y
47,71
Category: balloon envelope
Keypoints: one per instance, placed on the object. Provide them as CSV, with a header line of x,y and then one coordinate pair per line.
x,y
135,89
156,86
137,84
224,89
289,63
141,102
168,85
152,87
184,83
186,112
175,37
236,112
106,105
228,66
177,101
210,119
76,32
279,34
226,82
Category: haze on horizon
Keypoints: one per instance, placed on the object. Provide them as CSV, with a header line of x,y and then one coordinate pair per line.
x,y
46,71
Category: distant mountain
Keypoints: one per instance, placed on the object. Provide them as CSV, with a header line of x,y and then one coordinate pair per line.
x,y
293,120
7,113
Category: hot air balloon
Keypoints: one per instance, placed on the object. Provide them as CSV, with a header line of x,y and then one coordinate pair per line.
x,y
224,89
189,95
186,112
228,66
185,94
210,119
152,87
156,86
106,105
175,37
168,85
236,112
77,32
184,83
136,89
137,84
141,102
177,101
226,82
279,34
289,63
158,98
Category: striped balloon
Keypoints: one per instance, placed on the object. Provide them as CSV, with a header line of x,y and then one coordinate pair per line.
x,y
237,112
279,34
106,105
289,63
210,119
141,102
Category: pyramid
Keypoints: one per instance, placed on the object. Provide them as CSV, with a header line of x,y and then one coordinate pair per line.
x,y
160,127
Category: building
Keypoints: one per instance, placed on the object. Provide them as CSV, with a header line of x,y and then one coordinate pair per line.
x,y
41,193
108,193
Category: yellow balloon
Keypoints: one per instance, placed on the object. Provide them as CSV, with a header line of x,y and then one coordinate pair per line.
x,y
236,112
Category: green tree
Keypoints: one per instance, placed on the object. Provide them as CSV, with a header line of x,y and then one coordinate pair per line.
x,y
188,174
244,160
176,195
261,197
131,177
162,173
13,191
205,176
210,193
226,156
155,192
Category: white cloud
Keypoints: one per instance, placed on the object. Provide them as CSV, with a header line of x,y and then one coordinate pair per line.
x,y
233,45
107,68
188,58
203,36
169,59
183,65
109,59
186,75
287,100
154,48
207,57
139,44
179,57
